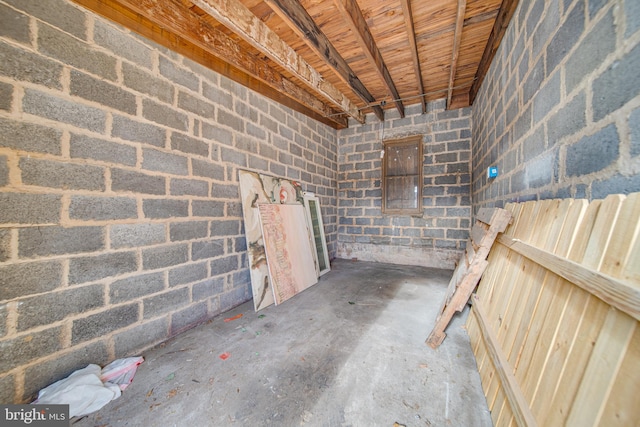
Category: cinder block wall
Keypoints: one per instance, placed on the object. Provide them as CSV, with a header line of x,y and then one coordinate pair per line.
x,y
120,218
558,111
433,239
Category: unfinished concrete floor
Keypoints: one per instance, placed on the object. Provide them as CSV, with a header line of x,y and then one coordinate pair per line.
x,y
348,351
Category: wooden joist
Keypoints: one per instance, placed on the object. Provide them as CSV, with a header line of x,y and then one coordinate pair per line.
x,y
411,34
489,222
462,5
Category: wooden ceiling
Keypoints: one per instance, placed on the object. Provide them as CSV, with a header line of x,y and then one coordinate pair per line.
x,y
331,59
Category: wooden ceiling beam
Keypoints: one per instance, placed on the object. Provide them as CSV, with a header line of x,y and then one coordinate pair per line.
x,y
411,33
235,16
353,17
178,28
457,37
299,20
507,8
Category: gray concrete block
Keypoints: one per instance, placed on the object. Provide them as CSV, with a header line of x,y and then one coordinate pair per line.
x,y
187,274
547,98
634,132
54,240
25,208
208,288
542,170
134,235
224,265
58,13
8,389
54,306
195,105
136,182
102,208
522,124
164,115
246,112
632,17
122,44
231,120
4,171
47,173
65,111
594,152
616,184
207,169
22,65
188,318
266,122
91,268
23,349
166,302
85,147
178,75
217,134
235,297
144,82
5,245
102,92
568,120
17,280
14,25
63,47
165,256
599,42
617,85
207,208
132,288
225,191
6,95
165,208
458,167
548,26
204,250
188,230
566,37
164,162
189,187
47,372
134,340
103,323
187,144
131,130
217,95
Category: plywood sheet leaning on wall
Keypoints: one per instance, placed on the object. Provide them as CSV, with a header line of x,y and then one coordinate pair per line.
x,y
288,249
258,188
554,323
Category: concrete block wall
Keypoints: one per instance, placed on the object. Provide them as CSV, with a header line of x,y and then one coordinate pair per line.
x,y
120,216
436,237
559,110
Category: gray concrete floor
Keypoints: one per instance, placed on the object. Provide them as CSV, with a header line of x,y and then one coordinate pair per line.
x,y
315,360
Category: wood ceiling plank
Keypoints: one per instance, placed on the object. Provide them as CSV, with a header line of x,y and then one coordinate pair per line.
x,y
507,8
462,4
408,19
353,17
292,12
181,30
235,16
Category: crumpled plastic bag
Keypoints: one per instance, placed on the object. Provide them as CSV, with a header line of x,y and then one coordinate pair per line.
x,y
121,371
89,389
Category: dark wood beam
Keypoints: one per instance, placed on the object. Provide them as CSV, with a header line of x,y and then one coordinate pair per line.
x,y
353,17
507,8
411,33
296,16
213,49
457,37
236,17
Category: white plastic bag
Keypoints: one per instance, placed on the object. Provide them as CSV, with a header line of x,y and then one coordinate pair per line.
x,y
121,371
83,391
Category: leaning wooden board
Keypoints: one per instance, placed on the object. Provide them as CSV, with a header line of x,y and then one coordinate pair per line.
x,y
489,222
554,325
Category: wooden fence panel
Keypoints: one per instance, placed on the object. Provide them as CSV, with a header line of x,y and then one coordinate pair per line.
x,y
554,324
